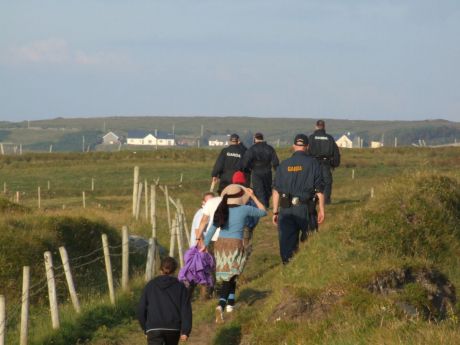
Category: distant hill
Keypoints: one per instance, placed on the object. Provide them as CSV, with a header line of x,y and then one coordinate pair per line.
x,y
67,134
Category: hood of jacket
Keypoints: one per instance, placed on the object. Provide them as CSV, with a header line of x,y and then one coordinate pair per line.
x,y
164,281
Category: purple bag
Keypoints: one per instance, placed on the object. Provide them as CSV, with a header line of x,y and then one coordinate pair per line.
x,y
198,268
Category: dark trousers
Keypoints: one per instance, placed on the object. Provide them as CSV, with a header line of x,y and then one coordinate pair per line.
x,y
326,171
312,215
291,221
262,186
163,337
228,289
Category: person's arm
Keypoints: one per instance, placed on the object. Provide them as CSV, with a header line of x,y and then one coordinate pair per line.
x,y
142,309
251,194
321,214
218,166
245,163
203,225
276,202
275,160
209,234
186,315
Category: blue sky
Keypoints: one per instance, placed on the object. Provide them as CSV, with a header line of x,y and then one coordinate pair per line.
x,y
350,59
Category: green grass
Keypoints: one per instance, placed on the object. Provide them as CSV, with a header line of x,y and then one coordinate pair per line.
x,y
411,222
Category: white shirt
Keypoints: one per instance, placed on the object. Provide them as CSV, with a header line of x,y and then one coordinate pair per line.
x,y
195,225
208,210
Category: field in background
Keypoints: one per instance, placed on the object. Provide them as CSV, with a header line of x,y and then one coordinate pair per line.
x,y
110,204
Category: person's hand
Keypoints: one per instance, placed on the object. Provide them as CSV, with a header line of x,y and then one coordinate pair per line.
x,y
249,192
275,219
215,179
183,338
321,216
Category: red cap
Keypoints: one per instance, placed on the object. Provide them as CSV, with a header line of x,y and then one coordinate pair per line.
x,y
238,178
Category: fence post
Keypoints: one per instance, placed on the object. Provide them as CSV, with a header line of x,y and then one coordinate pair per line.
x,y
150,259
135,187
51,148
146,200
108,267
180,238
39,198
17,197
2,320
353,174
92,184
68,277
25,305
49,185
125,259
139,199
168,211
153,209
173,239
52,290
84,199
372,192
184,220
4,187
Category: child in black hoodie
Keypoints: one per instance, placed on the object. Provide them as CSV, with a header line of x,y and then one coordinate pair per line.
x,y
165,311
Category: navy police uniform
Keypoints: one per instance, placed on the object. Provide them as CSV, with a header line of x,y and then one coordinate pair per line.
x,y
325,150
259,160
228,162
297,179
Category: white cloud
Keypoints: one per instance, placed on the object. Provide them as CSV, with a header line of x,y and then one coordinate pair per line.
x,y
43,51
59,51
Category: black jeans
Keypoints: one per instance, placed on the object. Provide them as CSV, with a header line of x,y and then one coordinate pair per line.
x,y
163,337
326,171
291,221
262,185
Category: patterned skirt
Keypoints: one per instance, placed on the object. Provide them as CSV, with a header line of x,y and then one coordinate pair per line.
x,y
230,258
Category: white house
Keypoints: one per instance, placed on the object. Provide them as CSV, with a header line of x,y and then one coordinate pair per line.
x,y
110,139
143,138
376,144
349,141
219,140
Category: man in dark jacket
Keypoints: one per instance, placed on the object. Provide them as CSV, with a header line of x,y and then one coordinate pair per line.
x,y
165,311
325,150
228,162
259,160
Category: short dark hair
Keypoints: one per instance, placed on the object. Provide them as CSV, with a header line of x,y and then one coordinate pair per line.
x,y
259,136
168,265
320,124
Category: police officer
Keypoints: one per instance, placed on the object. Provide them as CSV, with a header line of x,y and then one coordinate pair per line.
x,y
297,179
228,162
325,150
259,160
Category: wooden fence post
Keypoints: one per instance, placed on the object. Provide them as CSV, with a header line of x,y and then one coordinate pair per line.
x,y
68,277
173,238
184,220
4,187
372,192
353,174
49,185
150,259
51,148
139,198
39,198
153,209
108,267
17,197
2,150
125,259
84,199
168,210
52,290
179,234
135,187
25,305
2,320
146,200
92,184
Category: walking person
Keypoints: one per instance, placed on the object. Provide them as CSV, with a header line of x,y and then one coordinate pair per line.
x,y
297,179
230,217
259,160
165,311
197,218
228,162
324,148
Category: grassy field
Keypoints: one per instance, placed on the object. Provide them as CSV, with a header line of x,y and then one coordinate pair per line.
x,y
325,296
